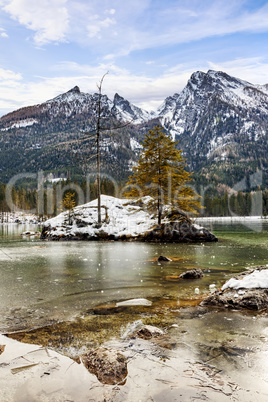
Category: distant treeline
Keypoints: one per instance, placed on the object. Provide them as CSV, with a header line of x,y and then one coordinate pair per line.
x,y
26,199
240,204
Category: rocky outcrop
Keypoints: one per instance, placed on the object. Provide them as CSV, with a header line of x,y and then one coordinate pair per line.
x,y
179,232
195,273
252,299
242,292
109,365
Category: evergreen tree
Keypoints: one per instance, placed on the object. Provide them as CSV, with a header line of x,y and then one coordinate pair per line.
x,y
69,203
161,174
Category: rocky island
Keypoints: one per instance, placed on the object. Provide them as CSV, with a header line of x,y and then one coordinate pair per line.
x,y
125,220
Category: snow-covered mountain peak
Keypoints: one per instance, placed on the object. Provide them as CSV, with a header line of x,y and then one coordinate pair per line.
x,y
214,110
126,111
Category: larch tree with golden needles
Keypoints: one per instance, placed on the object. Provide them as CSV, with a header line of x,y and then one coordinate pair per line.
x,y
69,203
161,174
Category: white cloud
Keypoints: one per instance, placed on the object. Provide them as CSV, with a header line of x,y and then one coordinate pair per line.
x,y
96,25
142,90
3,33
8,75
186,24
252,69
49,19
111,11
122,28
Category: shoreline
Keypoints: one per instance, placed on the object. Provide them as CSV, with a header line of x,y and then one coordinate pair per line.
x,y
28,218
231,218
192,369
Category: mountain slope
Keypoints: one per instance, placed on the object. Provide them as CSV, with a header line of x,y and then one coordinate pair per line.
x,y
58,136
218,118
220,121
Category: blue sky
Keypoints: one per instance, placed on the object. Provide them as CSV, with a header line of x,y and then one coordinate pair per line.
x,y
149,47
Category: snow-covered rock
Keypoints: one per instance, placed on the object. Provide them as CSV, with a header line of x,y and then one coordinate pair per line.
x,y
122,219
248,290
254,280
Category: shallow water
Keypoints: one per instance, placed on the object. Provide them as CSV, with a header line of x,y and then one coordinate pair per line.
x,y
48,291
45,281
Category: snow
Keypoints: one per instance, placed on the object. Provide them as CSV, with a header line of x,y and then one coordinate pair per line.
x,y
21,123
180,112
135,145
257,279
134,302
120,217
18,217
125,217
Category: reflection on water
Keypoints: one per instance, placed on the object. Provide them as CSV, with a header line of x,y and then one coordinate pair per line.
x,y
42,281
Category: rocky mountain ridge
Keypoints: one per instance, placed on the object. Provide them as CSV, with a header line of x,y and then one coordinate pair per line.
x,y
215,111
220,121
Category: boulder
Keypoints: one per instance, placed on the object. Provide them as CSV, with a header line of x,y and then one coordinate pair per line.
x,y
162,258
157,336
251,299
109,365
2,348
195,273
149,331
249,290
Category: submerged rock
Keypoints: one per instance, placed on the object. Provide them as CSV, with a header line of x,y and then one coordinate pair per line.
x,y
249,290
157,336
109,365
149,331
107,309
195,273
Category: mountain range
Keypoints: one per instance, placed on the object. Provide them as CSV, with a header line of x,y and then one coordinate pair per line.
x,y
221,123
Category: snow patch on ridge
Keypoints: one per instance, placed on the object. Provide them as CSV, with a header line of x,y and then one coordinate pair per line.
x,y
21,123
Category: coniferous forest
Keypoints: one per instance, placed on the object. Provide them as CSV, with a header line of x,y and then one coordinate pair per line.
x,y
213,204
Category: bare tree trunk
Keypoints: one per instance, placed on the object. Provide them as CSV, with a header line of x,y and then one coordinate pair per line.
x,y
98,129
98,158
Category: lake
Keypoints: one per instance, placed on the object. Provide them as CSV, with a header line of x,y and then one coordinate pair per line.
x,y
43,281
49,292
